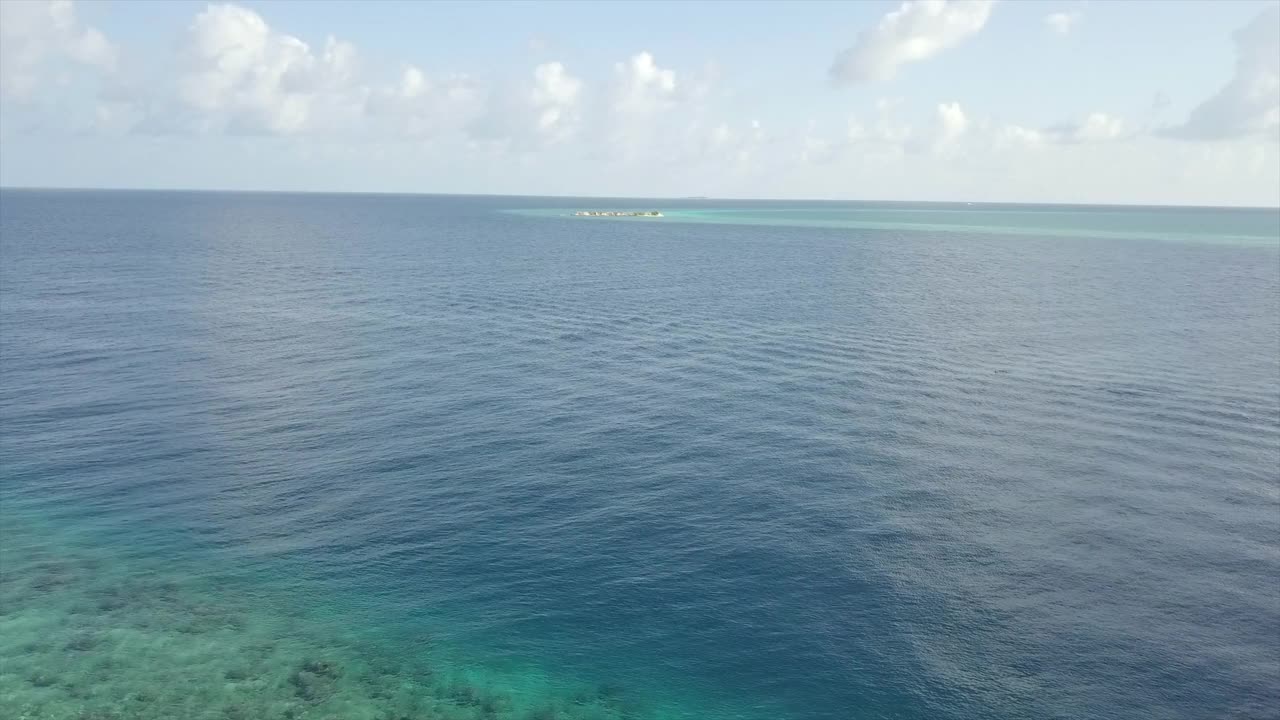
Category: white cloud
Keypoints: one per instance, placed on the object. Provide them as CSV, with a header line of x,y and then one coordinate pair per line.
x,y
641,86
543,111
1017,136
1096,127
953,132
1062,22
237,74
916,31
1249,104
554,98
339,120
952,123
886,133
730,144
1099,127
636,124
36,35
242,75
418,105
816,151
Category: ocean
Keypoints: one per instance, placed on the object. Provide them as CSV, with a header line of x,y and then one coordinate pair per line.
x,y
375,457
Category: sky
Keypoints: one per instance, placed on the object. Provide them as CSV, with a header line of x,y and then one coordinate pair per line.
x,y
1063,101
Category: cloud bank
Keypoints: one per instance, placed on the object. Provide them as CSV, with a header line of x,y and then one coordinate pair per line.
x,y
1249,104
37,35
1062,22
631,122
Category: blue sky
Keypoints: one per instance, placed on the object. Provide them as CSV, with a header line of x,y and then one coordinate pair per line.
x,y
1126,102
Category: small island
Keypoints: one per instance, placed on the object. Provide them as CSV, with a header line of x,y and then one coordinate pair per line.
x,y
617,213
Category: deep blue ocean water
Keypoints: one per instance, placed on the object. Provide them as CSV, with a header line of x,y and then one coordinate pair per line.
x,y
751,460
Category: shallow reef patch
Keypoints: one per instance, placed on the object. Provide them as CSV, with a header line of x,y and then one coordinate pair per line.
x,y
88,636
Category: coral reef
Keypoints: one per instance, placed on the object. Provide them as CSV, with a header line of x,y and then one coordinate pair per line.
x,y
85,635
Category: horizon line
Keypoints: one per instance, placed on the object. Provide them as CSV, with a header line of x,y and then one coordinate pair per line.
x,y
623,197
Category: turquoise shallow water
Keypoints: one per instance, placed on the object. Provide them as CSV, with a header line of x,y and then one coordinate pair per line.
x,y
297,456
112,633
1260,227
